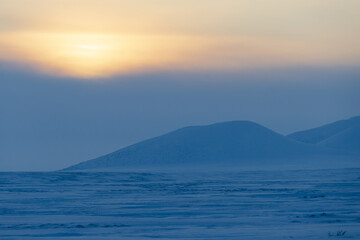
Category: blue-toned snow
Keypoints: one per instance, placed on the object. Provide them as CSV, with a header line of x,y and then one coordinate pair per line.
x,y
306,204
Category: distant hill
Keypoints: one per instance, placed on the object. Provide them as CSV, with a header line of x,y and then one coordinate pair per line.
x,y
240,143
316,135
348,139
344,134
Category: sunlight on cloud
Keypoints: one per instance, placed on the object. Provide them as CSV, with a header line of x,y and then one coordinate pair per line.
x,y
87,55
103,38
100,55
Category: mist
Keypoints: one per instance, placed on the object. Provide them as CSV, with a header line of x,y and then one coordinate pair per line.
x,y
48,122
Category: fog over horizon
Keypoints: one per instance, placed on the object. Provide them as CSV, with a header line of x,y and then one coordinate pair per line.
x,y
51,122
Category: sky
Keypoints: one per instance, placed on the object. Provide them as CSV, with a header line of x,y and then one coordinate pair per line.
x,y
82,78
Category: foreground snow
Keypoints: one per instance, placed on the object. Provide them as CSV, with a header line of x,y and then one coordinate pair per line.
x,y
306,204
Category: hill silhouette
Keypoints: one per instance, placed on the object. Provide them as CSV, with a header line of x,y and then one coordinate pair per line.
x,y
344,135
230,143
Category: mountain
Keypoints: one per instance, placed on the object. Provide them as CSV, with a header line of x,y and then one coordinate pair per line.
x,y
240,143
348,139
344,134
316,135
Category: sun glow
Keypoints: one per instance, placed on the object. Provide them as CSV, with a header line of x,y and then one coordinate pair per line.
x,y
94,56
97,39
79,55
89,55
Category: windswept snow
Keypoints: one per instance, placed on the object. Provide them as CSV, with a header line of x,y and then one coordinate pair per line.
x,y
256,205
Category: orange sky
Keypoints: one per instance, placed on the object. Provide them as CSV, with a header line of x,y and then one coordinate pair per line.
x,y
93,38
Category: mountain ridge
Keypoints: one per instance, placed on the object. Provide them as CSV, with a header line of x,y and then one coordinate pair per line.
x,y
226,143
318,134
343,134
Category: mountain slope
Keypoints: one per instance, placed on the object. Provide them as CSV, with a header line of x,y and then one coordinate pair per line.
x,y
238,142
342,135
348,139
316,135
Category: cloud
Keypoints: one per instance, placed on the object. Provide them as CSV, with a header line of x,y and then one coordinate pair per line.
x,y
179,35
98,55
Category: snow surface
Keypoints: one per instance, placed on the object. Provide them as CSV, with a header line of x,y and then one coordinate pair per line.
x,y
306,204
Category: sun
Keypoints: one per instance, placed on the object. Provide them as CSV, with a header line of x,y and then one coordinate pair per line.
x,y
100,55
81,55
86,55
95,55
